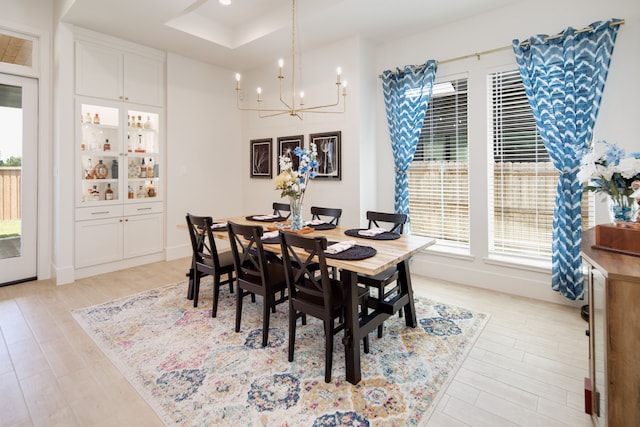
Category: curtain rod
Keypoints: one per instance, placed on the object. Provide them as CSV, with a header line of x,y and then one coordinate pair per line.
x,y
498,49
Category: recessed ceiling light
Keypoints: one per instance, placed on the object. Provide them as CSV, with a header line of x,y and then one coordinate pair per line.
x,y
225,2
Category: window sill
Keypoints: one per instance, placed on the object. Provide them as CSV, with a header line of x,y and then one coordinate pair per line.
x,y
450,252
520,263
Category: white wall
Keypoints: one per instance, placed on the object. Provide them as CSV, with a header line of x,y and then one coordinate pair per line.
x,y
203,146
492,30
318,82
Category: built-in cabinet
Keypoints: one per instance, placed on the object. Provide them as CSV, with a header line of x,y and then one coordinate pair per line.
x,y
612,390
119,168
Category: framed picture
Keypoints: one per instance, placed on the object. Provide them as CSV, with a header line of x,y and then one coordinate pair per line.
x,y
286,145
261,158
329,154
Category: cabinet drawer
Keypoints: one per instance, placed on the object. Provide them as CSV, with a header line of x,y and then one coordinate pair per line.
x,y
142,209
98,212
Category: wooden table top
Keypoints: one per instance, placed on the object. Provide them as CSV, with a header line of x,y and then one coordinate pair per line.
x,y
389,252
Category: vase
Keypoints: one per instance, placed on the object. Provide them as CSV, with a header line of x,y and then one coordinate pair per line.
x,y
296,213
623,209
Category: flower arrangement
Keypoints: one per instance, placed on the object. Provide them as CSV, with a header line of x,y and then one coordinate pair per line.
x,y
606,170
293,182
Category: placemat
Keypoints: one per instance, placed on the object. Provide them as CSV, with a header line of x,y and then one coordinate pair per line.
x,y
322,226
354,253
271,241
277,219
215,229
387,235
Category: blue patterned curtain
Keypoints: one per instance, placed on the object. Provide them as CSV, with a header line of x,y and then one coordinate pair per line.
x,y
564,78
406,96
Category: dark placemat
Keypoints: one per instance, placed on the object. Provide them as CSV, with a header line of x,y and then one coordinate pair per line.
x,y
354,253
271,241
322,226
387,235
277,219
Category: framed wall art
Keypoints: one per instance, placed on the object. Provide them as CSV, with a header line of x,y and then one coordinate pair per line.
x,y
286,145
261,158
329,154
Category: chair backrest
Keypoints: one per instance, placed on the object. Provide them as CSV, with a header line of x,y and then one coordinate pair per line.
x,y
397,220
333,213
202,241
301,257
281,209
248,253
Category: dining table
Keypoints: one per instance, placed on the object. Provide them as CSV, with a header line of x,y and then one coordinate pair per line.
x,y
386,252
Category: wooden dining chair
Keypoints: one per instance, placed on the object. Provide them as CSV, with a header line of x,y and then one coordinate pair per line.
x,y
313,292
282,209
206,260
255,274
394,222
329,215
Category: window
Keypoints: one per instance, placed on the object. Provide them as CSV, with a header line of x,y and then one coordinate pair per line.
x,y
438,177
522,179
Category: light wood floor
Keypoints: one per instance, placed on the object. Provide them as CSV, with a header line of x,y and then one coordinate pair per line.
x,y
526,369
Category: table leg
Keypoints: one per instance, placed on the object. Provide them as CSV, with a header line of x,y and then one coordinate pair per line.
x,y
404,277
351,338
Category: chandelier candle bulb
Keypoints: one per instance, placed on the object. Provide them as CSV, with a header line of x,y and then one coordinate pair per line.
x,y
259,90
339,71
237,81
344,88
280,65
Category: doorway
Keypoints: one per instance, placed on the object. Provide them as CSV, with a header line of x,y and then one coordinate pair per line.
x,y
18,178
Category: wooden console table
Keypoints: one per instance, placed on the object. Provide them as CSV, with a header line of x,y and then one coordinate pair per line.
x,y
612,391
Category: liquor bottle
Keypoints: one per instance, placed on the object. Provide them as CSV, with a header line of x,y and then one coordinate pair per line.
x,y
141,193
87,118
140,148
139,121
147,123
96,119
107,145
133,121
130,193
108,194
95,193
151,191
114,169
88,172
101,171
129,146
150,168
143,169
156,170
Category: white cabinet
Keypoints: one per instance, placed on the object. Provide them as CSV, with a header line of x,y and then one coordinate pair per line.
x,y
126,72
119,170
109,234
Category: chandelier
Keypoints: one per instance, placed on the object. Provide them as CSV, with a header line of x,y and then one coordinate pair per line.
x,y
295,107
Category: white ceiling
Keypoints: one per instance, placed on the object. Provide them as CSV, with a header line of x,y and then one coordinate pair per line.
x,y
251,33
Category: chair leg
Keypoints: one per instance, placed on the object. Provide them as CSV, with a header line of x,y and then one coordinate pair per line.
x,y
365,342
265,323
239,297
328,352
216,294
230,276
292,332
196,287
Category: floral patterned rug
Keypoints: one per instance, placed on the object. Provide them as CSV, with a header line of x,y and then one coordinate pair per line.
x,y
194,370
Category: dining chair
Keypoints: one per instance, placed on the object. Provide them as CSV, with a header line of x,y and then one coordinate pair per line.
x,y
255,274
206,260
394,222
333,214
313,292
281,208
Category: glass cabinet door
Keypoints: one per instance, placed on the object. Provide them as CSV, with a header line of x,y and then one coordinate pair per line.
x,y
100,148
143,155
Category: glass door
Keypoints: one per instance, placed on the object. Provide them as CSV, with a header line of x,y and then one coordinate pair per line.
x,y
18,178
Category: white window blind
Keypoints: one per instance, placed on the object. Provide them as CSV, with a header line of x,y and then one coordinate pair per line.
x,y
522,183
439,177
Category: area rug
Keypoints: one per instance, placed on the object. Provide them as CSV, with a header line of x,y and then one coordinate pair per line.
x,y
194,370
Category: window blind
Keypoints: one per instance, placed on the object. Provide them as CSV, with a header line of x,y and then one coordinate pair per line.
x,y
522,179
439,176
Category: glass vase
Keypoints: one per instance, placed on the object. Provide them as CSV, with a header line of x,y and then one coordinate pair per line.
x,y
623,209
296,213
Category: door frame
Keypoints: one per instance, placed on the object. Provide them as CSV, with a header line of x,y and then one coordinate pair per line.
x,y
25,267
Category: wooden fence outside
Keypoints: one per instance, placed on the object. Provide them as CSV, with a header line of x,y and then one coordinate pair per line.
x,y
10,202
